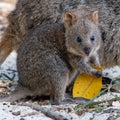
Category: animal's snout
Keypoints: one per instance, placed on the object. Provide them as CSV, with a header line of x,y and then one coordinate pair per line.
x,y
87,50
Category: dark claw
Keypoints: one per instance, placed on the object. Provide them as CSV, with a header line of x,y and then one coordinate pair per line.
x,y
98,74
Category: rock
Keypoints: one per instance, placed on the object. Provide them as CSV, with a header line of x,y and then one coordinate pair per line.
x,y
86,116
100,116
16,113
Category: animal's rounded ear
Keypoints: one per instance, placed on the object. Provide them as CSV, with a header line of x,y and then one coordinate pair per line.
x,y
69,19
94,17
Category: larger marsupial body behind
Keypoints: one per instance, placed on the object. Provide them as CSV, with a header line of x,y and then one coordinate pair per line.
x,y
29,14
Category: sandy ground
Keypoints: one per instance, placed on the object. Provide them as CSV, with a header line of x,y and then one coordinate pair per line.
x,y
15,112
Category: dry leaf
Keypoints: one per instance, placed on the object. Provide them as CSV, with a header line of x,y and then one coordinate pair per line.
x,y
87,86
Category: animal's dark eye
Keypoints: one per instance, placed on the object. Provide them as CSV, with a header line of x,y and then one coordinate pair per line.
x,y
79,39
92,38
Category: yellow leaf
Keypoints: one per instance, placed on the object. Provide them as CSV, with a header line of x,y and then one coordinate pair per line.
x,y
87,86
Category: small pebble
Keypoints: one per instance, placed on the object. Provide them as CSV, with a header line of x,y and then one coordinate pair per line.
x,y
4,103
22,119
16,113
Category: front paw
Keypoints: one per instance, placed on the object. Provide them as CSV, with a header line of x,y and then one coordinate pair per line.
x,y
97,73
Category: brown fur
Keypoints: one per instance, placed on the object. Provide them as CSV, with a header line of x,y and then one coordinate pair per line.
x,y
51,54
29,14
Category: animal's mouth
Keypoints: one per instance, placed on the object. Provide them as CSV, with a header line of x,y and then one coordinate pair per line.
x,y
87,51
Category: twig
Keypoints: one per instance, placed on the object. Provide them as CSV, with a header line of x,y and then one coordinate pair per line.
x,y
11,79
48,112
2,86
12,70
100,102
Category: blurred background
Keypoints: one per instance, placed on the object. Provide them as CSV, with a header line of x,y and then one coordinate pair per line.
x,y
6,6
8,68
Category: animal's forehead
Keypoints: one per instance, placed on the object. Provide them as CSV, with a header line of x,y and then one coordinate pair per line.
x,y
83,27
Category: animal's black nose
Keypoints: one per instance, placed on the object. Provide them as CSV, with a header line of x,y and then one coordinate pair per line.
x,y
87,50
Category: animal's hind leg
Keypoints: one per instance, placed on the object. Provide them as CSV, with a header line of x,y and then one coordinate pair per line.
x,y
58,77
58,89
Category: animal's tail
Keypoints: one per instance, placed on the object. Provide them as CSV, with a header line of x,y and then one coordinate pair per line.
x,y
20,92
